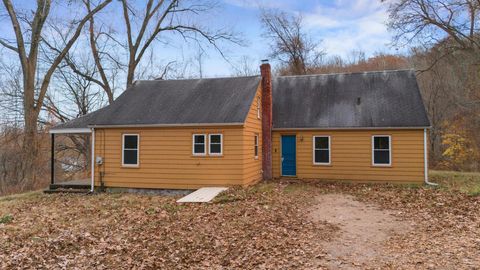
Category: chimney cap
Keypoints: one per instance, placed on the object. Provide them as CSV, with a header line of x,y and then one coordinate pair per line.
x,y
264,61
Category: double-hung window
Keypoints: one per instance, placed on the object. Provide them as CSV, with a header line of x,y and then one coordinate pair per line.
x,y
199,144
215,144
381,150
130,150
255,146
321,150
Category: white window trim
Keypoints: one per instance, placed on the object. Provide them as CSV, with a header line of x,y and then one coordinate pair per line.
x,y
209,144
204,145
329,150
389,151
255,146
123,150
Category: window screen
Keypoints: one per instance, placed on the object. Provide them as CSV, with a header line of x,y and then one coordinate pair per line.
x,y
199,144
215,144
321,150
130,149
381,150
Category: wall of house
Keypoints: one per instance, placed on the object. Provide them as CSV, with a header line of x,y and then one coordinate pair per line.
x,y
351,156
166,159
253,126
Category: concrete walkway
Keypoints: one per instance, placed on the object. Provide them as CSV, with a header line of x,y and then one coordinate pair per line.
x,y
205,194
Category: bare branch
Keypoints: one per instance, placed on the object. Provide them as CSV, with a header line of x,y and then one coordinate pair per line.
x,y
61,56
167,17
18,34
290,43
8,46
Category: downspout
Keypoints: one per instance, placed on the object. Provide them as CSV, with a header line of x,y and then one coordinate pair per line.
x,y
93,161
425,158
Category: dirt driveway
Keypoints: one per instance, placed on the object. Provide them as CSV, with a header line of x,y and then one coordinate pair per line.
x,y
363,230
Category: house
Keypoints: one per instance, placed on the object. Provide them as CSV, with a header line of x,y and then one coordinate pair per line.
x,y
185,134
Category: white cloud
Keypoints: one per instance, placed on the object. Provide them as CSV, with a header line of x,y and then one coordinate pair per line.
x,y
256,3
350,25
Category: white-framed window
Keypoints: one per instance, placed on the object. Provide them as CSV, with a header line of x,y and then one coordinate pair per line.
x,y
381,150
258,108
215,144
321,150
199,144
255,146
130,150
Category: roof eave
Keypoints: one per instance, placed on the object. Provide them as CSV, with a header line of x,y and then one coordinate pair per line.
x,y
70,131
348,128
169,125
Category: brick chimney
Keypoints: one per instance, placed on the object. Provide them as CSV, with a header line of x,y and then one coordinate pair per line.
x,y
266,74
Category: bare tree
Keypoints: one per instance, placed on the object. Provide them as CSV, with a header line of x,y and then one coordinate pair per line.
x,y
199,59
11,105
103,67
28,29
447,32
74,96
453,23
245,66
290,42
357,62
166,17
144,26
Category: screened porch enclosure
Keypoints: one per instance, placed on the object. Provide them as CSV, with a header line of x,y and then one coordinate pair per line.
x,y
71,160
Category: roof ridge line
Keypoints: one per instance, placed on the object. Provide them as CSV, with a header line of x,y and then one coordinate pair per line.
x,y
348,73
198,79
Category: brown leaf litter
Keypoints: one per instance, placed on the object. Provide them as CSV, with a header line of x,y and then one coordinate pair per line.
x,y
268,226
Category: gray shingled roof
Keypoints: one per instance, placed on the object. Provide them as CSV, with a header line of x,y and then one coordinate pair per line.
x,y
354,100
164,102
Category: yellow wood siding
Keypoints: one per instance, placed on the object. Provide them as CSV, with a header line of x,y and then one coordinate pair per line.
x,y
351,156
253,126
166,159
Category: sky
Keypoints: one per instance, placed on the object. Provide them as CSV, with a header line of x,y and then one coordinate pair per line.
x,y
341,26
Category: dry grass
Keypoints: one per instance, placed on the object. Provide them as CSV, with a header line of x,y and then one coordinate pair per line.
x,y
13,165
467,182
265,226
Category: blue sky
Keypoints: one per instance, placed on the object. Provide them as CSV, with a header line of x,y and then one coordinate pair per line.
x,y
341,25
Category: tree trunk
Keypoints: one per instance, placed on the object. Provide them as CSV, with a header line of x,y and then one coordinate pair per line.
x,y
131,70
30,149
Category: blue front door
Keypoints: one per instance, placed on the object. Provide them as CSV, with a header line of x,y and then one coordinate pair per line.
x,y
289,155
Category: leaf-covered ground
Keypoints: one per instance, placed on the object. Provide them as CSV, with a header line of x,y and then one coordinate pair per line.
x,y
265,226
